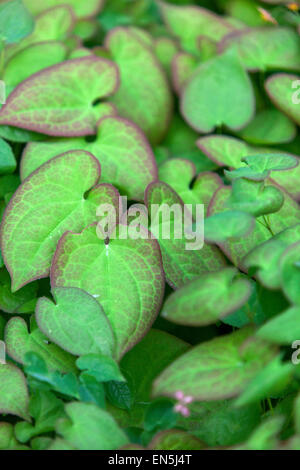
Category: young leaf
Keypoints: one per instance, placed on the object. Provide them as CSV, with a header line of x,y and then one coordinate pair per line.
x,y
13,391
19,342
228,225
102,368
73,86
76,322
81,9
124,274
125,156
28,248
144,95
215,369
15,21
90,428
207,100
207,299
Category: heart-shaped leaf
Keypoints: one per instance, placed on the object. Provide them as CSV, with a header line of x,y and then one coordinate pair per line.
x,y
207,299
28,247
265,48
227,225
215,369
13,391
124,274
144,95
76,322
180,264
125,156
19,342
207,100
283,90
88,427
197,21
102,368
180,174
260,166
74,86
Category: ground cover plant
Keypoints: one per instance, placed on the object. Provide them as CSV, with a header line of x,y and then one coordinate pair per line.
x,y
110,341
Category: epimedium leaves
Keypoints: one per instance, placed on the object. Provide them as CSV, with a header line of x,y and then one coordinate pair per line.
x,y
19,341
7,159
76,322
208,298
81,9
207,100
65,105
175,440
180,264
124,274
143,95
283,90
29,244
88,427
15,21
215,369
125,156
14,396
220,227
265,48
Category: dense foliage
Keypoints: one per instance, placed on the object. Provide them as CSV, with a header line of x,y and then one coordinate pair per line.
x,y
122,342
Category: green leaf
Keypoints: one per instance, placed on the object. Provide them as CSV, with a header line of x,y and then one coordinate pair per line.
x,y
28,251
290,272
13,391
102,368
196,21
180,174
144,95
265,437
75,84
269,382
175,440
207,100
228,225
15,21
160,415
125,156
180,265
216,369
81,9
265,258
90,391
7,159
183,66
269,127
19,342
282,329
7,438
260,166
266,48
45,408
32,59
76,322
119,394
90,428
124,274
207,299
22,301
283,90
